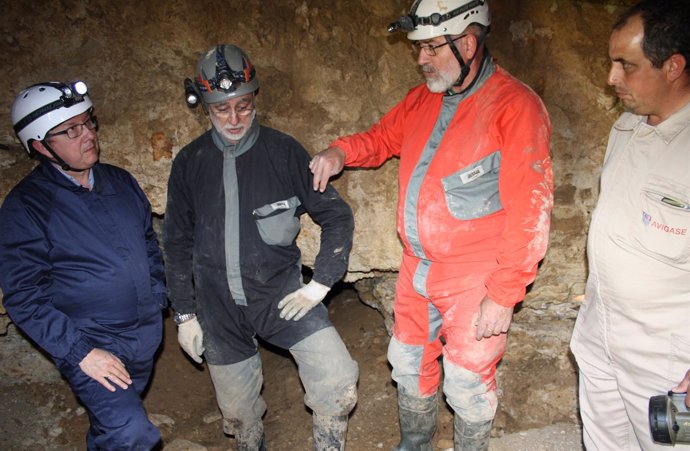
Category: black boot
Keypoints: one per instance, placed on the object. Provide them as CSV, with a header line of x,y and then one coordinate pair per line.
x,y
471,436
417,422
329,432
252,438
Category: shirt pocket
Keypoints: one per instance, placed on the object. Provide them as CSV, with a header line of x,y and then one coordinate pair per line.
x,y
472,192
662,231
277,223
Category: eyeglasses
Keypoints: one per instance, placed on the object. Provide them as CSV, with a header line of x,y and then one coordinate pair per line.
x,y
77,130
225,110
431,49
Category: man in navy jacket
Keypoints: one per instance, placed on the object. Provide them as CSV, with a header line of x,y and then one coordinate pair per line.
x,y
80,265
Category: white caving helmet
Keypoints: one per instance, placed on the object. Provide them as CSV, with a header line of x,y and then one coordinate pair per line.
x,y
223,72
432,18
429,19
43,106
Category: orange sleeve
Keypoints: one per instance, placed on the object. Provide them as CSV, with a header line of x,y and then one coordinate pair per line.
x,y
526,192
383,140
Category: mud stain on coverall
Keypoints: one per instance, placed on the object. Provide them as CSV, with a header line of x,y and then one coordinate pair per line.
x,y
541,200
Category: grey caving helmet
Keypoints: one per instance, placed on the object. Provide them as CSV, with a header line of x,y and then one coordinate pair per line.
x,y
223,72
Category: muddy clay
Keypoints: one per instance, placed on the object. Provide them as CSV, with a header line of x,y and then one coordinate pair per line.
x,y
38,411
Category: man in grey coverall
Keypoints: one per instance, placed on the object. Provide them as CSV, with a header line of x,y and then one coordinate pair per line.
x,y
233,268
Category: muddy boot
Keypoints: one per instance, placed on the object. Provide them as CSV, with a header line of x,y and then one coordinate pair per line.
x,y
471,436
329,432
417,422
252,438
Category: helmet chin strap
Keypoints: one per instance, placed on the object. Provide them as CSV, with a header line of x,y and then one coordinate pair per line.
x,y
59,161
464,65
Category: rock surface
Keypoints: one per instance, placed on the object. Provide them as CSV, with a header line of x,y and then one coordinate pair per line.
x,y
327,68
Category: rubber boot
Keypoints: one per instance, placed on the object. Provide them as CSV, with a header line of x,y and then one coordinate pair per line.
x,y
329,432
252,438
417,422
471,436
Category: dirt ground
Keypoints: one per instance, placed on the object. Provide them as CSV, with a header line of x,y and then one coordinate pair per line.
x,y
39,412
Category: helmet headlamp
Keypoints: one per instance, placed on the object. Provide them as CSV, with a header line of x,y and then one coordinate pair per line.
x,y
404,23
191,95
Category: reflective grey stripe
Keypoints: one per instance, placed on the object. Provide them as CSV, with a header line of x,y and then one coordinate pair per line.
x,y
448,109
420,276
450,104
232,210
232,229
419,279
435,322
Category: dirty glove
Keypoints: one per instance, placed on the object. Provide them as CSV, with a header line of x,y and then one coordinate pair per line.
x,y
296,304
191,338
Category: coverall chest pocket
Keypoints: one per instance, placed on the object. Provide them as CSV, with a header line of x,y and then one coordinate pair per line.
x,y
663,231
277,223
472,192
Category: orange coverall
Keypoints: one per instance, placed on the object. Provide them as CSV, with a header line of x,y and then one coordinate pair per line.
x,y
475,195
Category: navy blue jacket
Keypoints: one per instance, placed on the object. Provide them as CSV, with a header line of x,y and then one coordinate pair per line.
x,y
81,269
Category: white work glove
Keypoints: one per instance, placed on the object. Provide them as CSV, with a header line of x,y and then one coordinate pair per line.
x,y
191,339
296,304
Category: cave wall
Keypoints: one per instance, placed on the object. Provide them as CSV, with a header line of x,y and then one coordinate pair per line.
x,y
326,68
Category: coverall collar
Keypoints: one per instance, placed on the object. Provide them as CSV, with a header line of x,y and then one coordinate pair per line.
x,y
486,69
242,146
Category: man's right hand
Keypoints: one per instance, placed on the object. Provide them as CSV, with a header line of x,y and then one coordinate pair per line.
x,y
684,387
325,165
191,339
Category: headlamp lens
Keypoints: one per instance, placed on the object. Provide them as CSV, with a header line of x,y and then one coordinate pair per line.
x,y
225,83
80,88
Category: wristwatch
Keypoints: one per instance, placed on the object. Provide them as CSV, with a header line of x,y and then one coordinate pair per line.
x,y
180,318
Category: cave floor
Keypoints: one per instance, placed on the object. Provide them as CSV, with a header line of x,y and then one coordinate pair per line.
x,y
181,400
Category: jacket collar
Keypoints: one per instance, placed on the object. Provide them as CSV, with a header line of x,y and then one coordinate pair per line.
x,y
102,185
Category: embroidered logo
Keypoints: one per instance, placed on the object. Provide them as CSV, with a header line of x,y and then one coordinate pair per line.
x,y
648,221
472,174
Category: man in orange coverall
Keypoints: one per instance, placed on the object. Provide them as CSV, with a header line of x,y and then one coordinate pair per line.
x,y
475,195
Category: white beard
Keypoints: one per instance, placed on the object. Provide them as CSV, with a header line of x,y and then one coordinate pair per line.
x,y
438,81
225,129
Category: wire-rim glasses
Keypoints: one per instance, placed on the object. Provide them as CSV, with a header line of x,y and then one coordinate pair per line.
x,y
431,49
77,130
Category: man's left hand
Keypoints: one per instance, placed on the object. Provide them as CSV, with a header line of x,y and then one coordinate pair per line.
x,y
296,304
105,368
494,319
